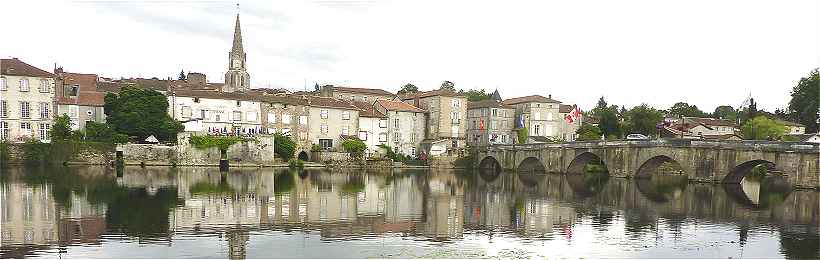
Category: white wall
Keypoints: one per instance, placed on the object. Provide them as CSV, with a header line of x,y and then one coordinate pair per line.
x,y
13,96
218,113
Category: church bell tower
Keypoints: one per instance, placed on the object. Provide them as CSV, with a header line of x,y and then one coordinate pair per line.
x,y
237,77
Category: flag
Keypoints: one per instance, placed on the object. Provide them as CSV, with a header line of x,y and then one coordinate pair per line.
x,y
576,113
569,119
521,121
481,124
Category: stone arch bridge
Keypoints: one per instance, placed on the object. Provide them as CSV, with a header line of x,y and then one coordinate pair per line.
x,y
703,161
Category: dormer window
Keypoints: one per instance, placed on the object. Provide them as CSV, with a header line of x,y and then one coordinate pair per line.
x,y
238,103
196,99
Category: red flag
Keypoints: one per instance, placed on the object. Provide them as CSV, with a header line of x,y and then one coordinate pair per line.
x,y
569,119
576,113
481,124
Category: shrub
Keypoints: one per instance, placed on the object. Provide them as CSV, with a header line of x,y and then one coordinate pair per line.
x,y
221,142
61,131
389,153
296,164
98,132
355,147
523,134
284,146
35,151
762,128
119,138
315,148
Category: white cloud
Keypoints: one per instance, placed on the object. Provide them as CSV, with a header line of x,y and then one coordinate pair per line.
x,y
706,53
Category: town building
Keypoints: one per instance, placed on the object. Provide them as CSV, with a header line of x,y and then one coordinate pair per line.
x,y
330,119
237,77
540,115
287,115
446,119
792,128
367,95
26,101
700,128
78,97
216,112
405,126
572,120
372,128
490,122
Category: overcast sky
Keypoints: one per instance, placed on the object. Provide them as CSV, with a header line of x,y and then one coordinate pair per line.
x,y
706,53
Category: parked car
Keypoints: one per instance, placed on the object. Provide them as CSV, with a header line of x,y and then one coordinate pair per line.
x,y
636,137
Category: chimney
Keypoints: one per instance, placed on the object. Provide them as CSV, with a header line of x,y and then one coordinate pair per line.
x,y
549,96
58,70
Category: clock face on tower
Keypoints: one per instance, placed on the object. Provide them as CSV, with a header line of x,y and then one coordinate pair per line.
x,y
236,63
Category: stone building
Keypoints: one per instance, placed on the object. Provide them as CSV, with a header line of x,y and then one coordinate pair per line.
x,y
490,122
329,119
405,125
446,119
367,95
372,127
287,115
26,101
211,111
77,96
540,116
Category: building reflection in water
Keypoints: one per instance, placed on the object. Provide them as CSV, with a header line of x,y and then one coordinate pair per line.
x,y
73,206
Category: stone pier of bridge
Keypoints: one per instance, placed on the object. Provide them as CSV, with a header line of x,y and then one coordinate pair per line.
x,y
700,160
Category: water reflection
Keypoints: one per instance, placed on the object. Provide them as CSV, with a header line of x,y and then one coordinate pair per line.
x,y
200,212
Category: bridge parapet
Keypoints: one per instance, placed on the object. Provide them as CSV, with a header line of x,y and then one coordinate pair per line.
x,y
678,143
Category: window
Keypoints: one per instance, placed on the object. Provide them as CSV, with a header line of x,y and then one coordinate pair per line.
x,y
363,135
326,143
549,116
413,137
4,108
196,99
73,111
25,110
3,85
302,136
455,117
382,137
454,131
218,117
536,130
396,123
456,103
43,88
536,116
382,123
251,116
495,112
271,118
25,128
495,124
72,91
238,103
345,130
285,131
186,112
323,128
237,115
202,114
285,119
4,130
345,115
24,85
44,128
396,137
549,130
303,120
323,113
44,110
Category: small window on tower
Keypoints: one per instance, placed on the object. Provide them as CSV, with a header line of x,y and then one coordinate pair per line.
x,y
196,100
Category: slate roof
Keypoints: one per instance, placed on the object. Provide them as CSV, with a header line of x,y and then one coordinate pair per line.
x,y
487,103
528,99
432,93
371,91
329,102
16,67
566,108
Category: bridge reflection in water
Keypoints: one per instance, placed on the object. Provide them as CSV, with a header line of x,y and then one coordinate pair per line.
x,y
199,212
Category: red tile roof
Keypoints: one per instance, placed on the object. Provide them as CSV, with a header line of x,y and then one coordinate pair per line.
x,y
367,110
709,121
88,94
528,99
398,106
15,67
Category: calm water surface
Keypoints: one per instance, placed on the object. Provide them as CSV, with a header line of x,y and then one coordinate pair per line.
x,y
90,212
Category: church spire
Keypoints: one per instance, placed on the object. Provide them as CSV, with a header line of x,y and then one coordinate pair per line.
x,y
237,36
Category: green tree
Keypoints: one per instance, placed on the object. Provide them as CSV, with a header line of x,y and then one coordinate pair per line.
x,y
803,107
762,128
609,124
284,146
408,89
476,95
523,134
355,147
141,113
98,132
643,119
448,85
588,132
683,109
725,112
61,131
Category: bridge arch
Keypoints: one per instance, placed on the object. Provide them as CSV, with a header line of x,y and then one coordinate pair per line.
x,y
738,172
652,165
304,156
581,160
531,165
489,168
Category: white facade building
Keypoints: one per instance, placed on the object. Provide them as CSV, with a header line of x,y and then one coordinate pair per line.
x,y
26,101
217,111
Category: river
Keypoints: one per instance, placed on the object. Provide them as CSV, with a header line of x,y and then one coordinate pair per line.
x,y
95,212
